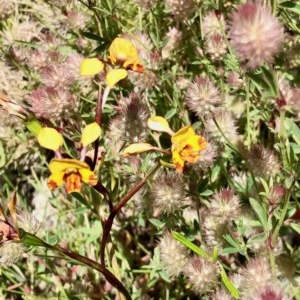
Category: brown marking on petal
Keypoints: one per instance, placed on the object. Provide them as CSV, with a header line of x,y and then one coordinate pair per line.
x,y
52,184
202,143
139,68
73,183
93,180
179,167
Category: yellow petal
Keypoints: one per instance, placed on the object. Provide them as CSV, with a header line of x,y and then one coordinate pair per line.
x,y
137,148
180,138
88,176
90,133
159,124
62,165
114,76
91,66
122,50
50,138
55,180
177,161
196,142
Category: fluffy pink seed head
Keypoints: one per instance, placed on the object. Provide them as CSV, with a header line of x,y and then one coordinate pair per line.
x,y
256,274
202,96
225,205
220,295
173,255
255,34
51,103
202,274
268,292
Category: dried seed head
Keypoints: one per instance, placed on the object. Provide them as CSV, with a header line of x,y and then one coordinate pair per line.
x,y
11,251
220,295
267,292
174,37
202,96
6,8
261,161
214,231
146,80
130,124
255,34
202,274
168,192
49,103
56,76
226,123
28,222
173,255
38,59
12,83
208,155
181,9
215,47
225,205
76,18
213,24
235,81
16,29
256,274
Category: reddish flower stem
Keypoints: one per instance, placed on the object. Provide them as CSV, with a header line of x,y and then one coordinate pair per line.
x,y
108,223
98,119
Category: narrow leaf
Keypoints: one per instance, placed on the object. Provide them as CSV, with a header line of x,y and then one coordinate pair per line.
x,y
296,227
260,212
228,284
290,5
30,239
180,238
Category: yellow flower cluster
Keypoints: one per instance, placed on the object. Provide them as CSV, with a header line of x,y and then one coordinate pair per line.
x,y
70,171
186,144
122,54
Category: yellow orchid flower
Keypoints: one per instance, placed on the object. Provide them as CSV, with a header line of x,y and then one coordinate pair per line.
x,y
186,144
123,52
186,147
72,172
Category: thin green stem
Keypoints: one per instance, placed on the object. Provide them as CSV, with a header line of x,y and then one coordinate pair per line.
x,y
274,6
248,138
283,214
